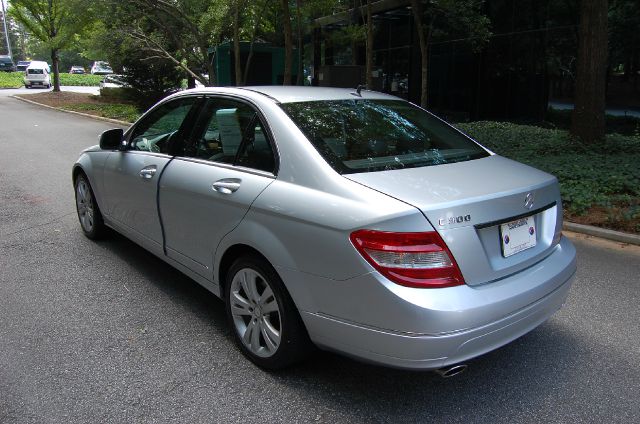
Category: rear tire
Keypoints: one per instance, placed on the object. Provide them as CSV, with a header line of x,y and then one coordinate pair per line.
x,y
264,320
89,214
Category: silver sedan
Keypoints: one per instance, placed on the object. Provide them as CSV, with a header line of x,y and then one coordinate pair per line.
x,y
349,220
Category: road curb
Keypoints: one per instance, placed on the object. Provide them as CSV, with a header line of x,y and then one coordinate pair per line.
x,y
603,233
86,115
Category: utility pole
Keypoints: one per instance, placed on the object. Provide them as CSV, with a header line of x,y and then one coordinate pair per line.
x,y
6,33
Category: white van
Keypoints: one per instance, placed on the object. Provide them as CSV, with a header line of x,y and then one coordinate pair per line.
x,y
37,75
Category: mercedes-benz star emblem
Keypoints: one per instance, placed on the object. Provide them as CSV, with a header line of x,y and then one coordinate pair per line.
x,y
528,200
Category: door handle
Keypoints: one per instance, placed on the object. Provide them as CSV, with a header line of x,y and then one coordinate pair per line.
x,y
148,172
227,185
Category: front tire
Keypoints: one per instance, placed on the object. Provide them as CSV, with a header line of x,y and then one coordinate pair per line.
x,y
265,322
89,214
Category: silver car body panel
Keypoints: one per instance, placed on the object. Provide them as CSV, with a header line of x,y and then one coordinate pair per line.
x,y
300,221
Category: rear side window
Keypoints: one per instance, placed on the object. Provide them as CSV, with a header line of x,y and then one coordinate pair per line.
x,y
231,132
374,135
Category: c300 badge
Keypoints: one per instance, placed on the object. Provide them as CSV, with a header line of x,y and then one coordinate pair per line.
x,y
454,220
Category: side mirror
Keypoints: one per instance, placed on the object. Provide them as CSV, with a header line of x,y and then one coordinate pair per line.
x,y
111,139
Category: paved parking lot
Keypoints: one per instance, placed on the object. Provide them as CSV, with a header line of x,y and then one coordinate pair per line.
x,y
105,332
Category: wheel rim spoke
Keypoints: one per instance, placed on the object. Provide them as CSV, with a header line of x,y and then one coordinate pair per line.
x,y
240,305
270,335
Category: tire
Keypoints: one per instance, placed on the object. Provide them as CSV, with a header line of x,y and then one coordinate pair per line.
x,y
89,214
266,325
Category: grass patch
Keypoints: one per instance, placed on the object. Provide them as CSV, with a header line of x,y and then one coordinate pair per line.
x,y
602,177
11,79
16,79
80,79
122,112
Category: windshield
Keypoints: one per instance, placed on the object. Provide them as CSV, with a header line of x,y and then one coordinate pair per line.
x,y
35,71
376,135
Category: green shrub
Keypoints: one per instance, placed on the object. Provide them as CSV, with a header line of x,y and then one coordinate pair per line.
x,y
603,174
11,79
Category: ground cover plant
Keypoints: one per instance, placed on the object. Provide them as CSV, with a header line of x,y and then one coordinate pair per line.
x,y
600,183
11,79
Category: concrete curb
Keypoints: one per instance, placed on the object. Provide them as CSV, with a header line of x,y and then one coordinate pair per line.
x,y
603,233
569,226
86,115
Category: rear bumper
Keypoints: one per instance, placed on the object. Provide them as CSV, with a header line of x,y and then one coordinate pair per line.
x,y
429,329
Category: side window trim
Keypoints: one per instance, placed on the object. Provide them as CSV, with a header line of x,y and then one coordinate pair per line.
x,y
265,124
258,116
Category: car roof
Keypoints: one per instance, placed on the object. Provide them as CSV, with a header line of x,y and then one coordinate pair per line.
x,y
290,94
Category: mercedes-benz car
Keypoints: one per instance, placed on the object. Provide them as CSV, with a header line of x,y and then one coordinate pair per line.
x,y
346,219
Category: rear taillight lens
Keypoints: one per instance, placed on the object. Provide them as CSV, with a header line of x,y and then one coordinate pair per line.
x,y
409,259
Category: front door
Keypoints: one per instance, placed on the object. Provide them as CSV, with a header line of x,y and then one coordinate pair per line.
x,y
131,176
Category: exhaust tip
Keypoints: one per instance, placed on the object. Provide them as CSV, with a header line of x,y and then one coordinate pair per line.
x,y
451,371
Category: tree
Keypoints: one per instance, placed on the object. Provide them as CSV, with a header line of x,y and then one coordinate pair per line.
x,y
288,42
55,23
180,31
464,15
588,115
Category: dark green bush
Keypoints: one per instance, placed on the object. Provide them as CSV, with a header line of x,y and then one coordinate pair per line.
x,y
603,174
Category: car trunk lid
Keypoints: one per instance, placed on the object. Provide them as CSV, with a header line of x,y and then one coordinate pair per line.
x,y
467,203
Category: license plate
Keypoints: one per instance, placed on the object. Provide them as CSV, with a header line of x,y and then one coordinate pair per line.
x,y
518,235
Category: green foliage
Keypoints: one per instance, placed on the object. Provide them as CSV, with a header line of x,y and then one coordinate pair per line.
x,y
11,79
122,112
606,174
80,79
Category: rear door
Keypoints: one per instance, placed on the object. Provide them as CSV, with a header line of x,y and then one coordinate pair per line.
x,y
210,185
131,177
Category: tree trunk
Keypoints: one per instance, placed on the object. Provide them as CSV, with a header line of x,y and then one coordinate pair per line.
x,y
288,43
236,42
369,47
416,8
56,73
300,52
588,115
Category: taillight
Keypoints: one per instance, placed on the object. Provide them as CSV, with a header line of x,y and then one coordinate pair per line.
x,y
409,259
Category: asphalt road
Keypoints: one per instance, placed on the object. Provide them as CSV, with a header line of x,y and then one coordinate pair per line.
x,y
105,332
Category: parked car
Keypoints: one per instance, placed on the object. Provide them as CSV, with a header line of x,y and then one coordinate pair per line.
x,y
101,68
37,75
112,81
352,220
77,70
22,65
6,64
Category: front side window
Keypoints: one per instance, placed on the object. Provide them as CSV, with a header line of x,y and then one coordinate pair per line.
x,y
231,132
375,135
155,132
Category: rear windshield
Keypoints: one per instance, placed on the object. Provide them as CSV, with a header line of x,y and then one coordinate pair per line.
x,y
6,60
374,135
35,71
